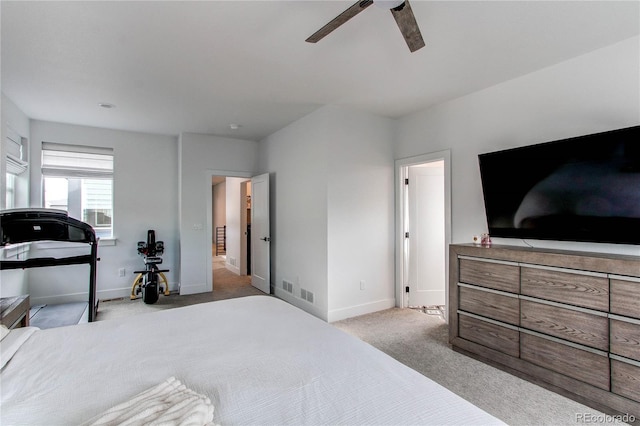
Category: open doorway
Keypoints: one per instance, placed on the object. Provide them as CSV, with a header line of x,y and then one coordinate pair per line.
x,y
423,204
257,240
231,234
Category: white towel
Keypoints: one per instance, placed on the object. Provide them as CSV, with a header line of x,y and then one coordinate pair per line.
x,y
169,403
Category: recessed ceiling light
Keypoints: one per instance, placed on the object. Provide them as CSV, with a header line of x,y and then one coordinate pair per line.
x,y
234,126
106,105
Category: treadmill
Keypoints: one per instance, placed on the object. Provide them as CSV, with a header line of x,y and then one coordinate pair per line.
x,y
28,225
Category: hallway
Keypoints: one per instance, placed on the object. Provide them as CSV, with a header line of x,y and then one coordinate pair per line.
x,y
228,284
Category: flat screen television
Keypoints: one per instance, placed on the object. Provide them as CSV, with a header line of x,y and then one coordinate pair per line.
x,y
585,188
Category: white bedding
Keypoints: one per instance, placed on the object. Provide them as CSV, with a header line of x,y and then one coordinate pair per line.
x,y
12,341
258,359
169,403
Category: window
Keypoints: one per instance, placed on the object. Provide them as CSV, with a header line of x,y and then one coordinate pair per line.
x,y
16,161
10,195
79,180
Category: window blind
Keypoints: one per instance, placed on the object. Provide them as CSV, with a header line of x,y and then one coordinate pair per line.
x,y
59,160
14,158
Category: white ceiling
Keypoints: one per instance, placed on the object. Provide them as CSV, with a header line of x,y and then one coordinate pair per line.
x,y
172,67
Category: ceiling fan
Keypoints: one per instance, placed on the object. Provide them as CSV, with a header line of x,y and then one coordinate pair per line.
x,y
401,11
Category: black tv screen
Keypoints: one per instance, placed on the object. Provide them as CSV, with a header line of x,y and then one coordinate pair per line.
x,y
585,188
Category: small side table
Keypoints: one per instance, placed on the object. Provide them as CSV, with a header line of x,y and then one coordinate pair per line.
x,y
14,311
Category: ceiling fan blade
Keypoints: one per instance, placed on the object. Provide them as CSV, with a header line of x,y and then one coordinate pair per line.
x,y
339,20
408,26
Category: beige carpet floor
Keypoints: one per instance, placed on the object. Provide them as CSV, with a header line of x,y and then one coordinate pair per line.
x,y
420,341
226,285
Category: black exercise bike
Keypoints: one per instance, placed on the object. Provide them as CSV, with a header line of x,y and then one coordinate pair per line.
x,y
150,281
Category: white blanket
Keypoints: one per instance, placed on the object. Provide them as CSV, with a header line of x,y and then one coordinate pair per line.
x,y
170,403
12,340
258,359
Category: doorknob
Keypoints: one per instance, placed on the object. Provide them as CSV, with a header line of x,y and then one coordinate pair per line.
x,y
265,239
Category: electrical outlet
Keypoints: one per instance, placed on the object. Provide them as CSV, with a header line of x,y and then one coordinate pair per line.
x,y
362,285
122,272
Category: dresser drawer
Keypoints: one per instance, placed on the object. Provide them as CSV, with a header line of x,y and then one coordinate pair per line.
x,y
499,276
500,307
491,335
580,364
579,327
625,297
625,339
586,290
625,379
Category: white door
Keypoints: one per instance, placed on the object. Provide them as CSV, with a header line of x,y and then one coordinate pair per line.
x,y
260,235
426,234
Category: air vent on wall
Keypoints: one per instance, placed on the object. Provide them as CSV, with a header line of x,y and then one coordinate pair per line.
x,y
287,286
306,295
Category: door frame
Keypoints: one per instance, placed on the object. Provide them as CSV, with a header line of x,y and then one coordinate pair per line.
x,y
209,196
401,172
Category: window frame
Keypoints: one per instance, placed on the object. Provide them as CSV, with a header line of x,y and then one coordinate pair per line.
x,y
10,190
64,161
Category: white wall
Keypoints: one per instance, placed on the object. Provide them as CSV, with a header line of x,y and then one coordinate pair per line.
x,y
234,228
332,210
245,222
594,92
12,117
200,157
13,282
330,227
219,207
360,204
145,194
296,158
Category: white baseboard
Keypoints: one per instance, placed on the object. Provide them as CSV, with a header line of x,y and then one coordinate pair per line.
x,y
299,303
58,299
113,293
231,268
366,308
193,288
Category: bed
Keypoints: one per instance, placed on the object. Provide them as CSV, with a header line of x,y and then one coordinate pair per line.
x,y
258,359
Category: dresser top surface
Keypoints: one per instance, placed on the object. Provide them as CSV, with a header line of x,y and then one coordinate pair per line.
x,y
589,261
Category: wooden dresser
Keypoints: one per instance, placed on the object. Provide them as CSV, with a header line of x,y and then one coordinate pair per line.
x,y
569,321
